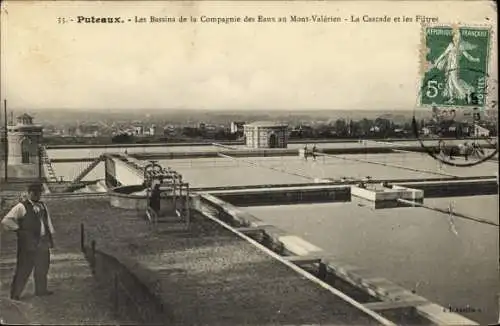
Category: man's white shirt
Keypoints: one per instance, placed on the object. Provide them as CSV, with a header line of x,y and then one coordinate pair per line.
x,y
11,220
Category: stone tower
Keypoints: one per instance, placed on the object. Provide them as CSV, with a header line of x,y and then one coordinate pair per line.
x,y
24,139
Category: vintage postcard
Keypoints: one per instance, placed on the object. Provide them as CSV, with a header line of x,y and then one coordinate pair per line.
x,y
249,163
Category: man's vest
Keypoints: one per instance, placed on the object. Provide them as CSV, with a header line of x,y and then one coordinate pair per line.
x,y
28,235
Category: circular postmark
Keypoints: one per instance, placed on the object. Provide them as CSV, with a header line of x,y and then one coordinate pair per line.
x,y
460,126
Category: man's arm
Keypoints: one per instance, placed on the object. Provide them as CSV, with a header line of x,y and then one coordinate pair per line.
x,y
11,220
49,220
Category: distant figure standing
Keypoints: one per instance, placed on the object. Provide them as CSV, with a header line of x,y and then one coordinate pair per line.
x,y
31,221
155,199
476,150
449,151
313,153
305,152
466,150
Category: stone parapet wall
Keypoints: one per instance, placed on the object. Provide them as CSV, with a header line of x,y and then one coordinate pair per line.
x,y
127,288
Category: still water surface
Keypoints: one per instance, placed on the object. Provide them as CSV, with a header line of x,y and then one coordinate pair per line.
x,y
413,247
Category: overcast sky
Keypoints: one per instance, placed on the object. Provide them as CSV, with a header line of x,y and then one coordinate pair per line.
x,y
208,66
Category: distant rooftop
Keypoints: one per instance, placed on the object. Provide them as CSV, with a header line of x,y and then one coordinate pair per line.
x,y
266,124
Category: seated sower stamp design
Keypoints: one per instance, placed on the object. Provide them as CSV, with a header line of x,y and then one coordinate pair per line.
x,y
455,67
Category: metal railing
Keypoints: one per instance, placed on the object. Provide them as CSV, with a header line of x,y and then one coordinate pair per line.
x,y
48,164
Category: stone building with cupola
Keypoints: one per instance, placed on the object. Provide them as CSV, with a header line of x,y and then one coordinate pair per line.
x,y
264,134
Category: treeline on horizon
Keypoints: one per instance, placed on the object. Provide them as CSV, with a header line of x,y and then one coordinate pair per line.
x,y
190,116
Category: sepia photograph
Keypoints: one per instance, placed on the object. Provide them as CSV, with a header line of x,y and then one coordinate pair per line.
x,y
262,162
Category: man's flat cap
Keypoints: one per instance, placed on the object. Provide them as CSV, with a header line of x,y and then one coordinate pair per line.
x,y
35,187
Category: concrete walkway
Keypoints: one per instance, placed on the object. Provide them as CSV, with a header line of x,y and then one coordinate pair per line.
x,y
77,298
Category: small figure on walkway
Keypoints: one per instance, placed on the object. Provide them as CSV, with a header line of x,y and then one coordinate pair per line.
x,y
31,221
305,152
155,199
448,151
476,150
466,150
313,152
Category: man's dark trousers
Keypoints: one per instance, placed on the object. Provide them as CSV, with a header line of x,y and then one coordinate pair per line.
x,y
29,259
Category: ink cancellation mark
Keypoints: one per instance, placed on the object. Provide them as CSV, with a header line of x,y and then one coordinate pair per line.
x,y
454,69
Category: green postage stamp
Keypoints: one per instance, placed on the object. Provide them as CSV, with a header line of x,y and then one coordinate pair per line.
x,y
454,69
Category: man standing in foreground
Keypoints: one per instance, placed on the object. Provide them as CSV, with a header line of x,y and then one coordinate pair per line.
x,y
31,221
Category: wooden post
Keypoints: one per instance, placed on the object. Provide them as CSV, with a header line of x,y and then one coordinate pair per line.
x,y
174,192
115,294
6,143
82,237
40,162
93,257
182,201
188,209
322,271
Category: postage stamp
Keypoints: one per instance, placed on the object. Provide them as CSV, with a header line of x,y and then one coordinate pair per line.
x,y
456,87
454,66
